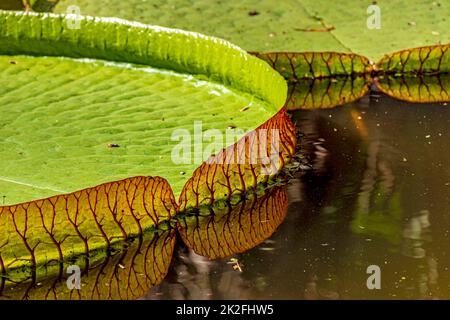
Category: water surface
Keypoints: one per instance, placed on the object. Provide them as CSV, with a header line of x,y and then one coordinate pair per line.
x,y
378,193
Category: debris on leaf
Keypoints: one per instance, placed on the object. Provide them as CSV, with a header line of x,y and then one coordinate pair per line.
x,y
236,264
326,29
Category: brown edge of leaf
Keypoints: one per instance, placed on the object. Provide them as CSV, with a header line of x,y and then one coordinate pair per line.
x,y
221,178
384,64
272,58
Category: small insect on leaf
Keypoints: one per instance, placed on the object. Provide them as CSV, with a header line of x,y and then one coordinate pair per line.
x,y
113,145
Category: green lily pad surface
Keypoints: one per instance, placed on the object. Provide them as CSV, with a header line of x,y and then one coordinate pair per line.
x,y
73,123
252,24
291,25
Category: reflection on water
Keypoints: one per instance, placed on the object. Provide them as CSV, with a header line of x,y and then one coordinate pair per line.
x,y
325,93
378,193
421,88
127,273
130,268
237,228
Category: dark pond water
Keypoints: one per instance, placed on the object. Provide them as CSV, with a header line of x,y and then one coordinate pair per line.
x,y
378,194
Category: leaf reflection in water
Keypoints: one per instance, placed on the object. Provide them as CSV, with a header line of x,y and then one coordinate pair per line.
x,y
421,89
222,232
125,274
326,92
132,268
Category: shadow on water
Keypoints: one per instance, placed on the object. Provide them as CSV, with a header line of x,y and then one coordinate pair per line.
x,y
378,194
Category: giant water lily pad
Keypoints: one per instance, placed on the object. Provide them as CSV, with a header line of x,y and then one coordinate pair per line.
x,y
291,25
299,38
72,121
96,108
252,24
